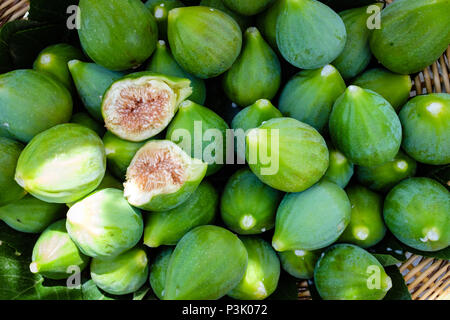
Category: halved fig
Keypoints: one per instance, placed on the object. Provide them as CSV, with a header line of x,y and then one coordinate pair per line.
x,y
162,176
140,105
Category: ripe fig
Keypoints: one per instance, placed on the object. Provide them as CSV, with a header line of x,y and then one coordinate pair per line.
x,y
31,102
310,94
347,272
160,11
385,176
366,227
340,170
299,263
302,41
256,73
53,60
104,225
426,128
394,87
62,164
286,154
116,34
122,274
158,271
248,206
141,105
262,274
55,254
204,41
248,7
364,127
30,214
162,176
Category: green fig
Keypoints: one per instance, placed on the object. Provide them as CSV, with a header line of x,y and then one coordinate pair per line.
x,y
310,94
62,164
312,219
385,176
340,170
31,102
119,153
168,227
426,128
243,21
247,7
206,264
160,11
298,154
194,128
162,176
395,88
256,73
248,118
116,34
356,54
309,34
248,206
141,105
158,271
366,227
163,62
9,154
401,44
91,81
254,115
53,60
365,127
299,263
204,41
104,225
85,120
267,23
263,271
55,255
30,214
123,274
416,212
347,272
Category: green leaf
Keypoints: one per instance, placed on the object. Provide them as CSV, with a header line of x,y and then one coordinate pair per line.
x,y
92,292
22,40
16,280
50,10
391,246
399,290
287,288
386,259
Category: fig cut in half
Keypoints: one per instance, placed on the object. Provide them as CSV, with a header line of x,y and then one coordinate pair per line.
x,y
162,176
140,105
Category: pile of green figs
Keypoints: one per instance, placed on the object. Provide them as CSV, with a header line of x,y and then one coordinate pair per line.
x,y
94,155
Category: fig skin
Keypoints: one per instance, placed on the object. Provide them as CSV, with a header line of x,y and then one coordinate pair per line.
x,y
54,253
123,274
104,225
62,164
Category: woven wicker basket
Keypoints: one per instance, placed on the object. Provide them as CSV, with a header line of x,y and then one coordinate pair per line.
x,y
427,278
